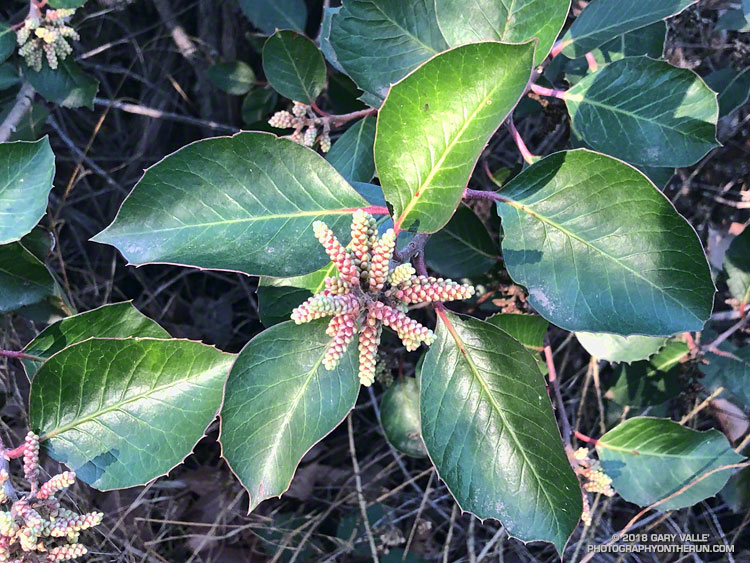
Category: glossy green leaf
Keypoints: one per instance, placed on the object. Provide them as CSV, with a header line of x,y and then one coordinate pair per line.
x,y
731,370
436,122
294,66
603,20
463,247
510,21
649,459
24,279
648,41
351,154
258,104
645,112
234,77
399,415
616,348
737,267
270,15
732,86
489,428
244,203
653,382
280,401
39,242
378,42
120,320
529,330
600,249
67,86
7,41
67,4
9,76
325,38
26,174
121,412
732,20
278,296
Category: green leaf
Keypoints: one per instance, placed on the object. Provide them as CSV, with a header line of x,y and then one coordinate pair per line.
x,y
325,38
653,382
373,194
603,20
121,412
234,77
463,248
737,267
351,155
258,104
649,459
26,174
280,401
7,41
511,21
648,41
270,15
600,249
529,330
243,203
732,86
294,66
399,415
24,279
645,112
731,370
436,122
736,493
378,42
732,20
67,86
278,296
9,76
120,320
616,348
66,4
490,431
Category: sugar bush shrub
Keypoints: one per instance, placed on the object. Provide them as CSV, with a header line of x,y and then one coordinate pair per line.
x,y
361,227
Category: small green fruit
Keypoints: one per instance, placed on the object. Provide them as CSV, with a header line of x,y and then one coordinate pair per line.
x,y
399,414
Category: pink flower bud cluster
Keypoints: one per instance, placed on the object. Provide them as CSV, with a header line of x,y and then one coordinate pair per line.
x,y
305,124
423,289
381,258
340,257
35,527
31,457
368,294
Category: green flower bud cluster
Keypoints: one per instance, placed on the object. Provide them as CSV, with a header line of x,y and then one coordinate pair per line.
x,y
305,124
368,295
46,37
33,526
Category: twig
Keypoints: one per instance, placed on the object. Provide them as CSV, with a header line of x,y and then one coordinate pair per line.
x,y
20,356
702,405
712,346
564,423
415,246
360,496
522,148
448,539
180,37
422,504
550,92
23,103
159,114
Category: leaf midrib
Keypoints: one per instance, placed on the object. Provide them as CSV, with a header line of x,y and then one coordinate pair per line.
x,y
247,220
118,406
615,260
406,31
582,100
425,186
